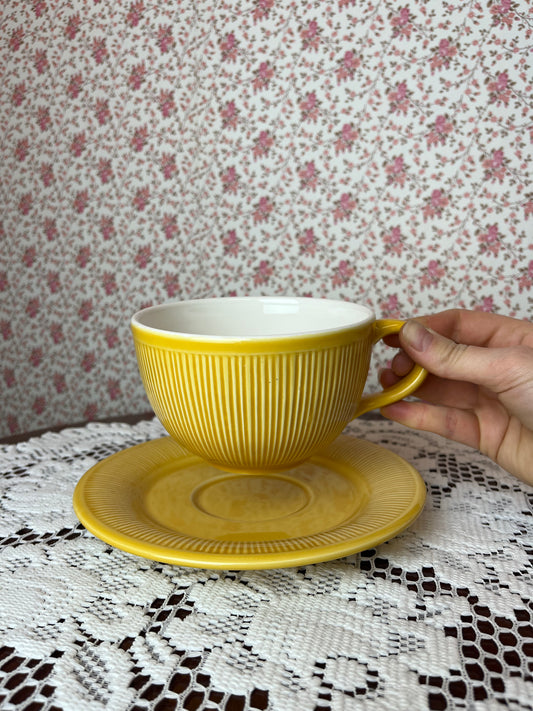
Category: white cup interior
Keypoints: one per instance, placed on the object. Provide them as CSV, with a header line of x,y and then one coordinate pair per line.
x,y
253,317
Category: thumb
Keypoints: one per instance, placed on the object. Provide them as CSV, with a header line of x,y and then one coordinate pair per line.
x,y
454,361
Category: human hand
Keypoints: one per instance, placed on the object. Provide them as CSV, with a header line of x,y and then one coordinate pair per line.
x,y
479,390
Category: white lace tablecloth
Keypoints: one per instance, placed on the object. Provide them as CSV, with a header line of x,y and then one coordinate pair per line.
x,y
440,617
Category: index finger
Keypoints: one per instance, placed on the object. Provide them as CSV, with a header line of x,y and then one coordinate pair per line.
x,y
477,328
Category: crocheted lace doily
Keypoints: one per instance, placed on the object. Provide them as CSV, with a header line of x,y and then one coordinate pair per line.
x,y
439,617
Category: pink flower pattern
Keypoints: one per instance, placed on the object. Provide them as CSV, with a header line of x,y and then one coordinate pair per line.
x,y
495,166
393,241
229,115
396,172
309,107
135,13
401,23
502,13
490,241
443,55
347,137
310,35
263,76
72,26
375,152
347,66
398,98
263,144
308,242
441,128
433,273
231,243
166,102
263,273
262,9
165,40
229,48
500,89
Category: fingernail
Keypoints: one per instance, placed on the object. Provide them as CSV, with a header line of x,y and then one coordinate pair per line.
x,y
416,335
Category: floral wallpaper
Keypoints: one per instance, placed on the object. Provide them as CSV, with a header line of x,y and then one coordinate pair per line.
x,y
154,150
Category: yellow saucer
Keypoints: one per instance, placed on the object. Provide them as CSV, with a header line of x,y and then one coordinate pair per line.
x,y
161,502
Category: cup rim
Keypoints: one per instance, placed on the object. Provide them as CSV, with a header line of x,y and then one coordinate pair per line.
x,y
369,316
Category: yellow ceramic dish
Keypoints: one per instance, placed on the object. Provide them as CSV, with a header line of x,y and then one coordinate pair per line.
x,y
158,501
259,384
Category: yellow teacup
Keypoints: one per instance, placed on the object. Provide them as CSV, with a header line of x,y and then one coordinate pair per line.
x,y
260,383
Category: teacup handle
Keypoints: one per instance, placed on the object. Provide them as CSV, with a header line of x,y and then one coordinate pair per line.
x,y
406,386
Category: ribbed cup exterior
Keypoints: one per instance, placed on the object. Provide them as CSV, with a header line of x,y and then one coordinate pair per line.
x,y
255,411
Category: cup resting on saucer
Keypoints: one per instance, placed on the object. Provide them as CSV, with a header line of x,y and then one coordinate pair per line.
x,y
257,384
